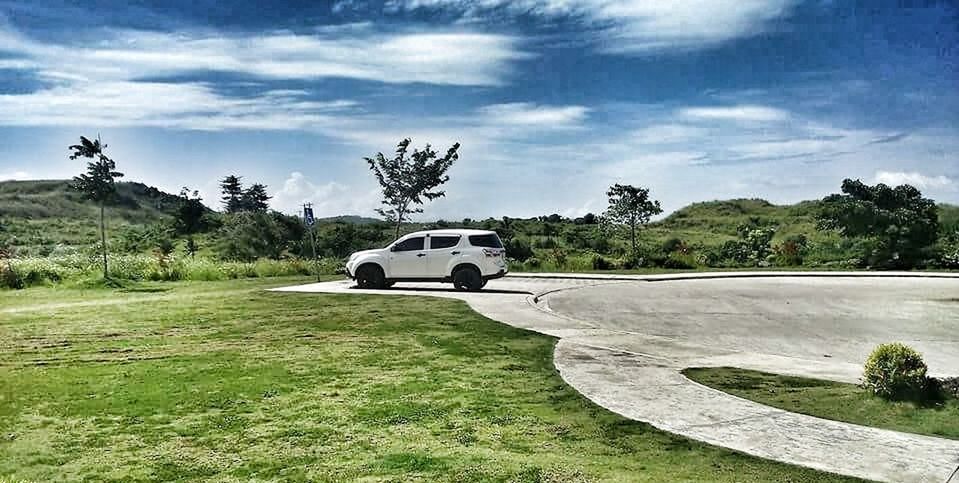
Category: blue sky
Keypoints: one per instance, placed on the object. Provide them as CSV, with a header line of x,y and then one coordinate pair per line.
x,y
553,100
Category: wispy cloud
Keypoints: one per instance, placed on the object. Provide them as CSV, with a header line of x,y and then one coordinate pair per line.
x,y
919,180
736,113
449,58
183,106
892,138
528,114
636,26
111,75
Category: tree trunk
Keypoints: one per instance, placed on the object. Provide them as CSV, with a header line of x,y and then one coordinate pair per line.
x,y
103,241
632,237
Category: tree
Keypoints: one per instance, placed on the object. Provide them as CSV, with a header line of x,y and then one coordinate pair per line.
x,y
98,184
255,198
232,189
190,212
630,206
897,226
406,181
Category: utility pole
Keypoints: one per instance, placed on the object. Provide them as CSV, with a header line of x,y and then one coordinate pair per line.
x,y
309,220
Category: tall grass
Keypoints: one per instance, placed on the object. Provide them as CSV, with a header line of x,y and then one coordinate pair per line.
x,y
33,271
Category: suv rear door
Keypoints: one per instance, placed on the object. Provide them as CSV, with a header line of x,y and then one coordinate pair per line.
x,y
443,250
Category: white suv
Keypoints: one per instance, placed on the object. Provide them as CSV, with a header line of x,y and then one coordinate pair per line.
x,y
467,258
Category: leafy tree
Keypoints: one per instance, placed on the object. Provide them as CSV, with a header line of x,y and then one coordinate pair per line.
x,y
631,207
407,180
98,184
897,225
232,189
255,198
190,212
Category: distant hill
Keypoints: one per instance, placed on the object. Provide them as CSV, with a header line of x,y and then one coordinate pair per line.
x,y
48,212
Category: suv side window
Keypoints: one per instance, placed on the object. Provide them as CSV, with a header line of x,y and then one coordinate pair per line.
x,y
488,241
439,242
409,245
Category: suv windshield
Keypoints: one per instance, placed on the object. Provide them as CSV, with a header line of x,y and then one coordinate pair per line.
x,y
489,241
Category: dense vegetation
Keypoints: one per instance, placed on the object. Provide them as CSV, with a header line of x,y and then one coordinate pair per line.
x,y
51,233
223,381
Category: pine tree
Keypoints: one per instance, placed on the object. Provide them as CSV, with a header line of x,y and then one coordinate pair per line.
x,y
232,189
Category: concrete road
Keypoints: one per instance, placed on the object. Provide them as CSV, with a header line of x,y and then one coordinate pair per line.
x,y
831,320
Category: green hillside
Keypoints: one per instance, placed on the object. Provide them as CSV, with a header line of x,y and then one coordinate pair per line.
x,y
46,213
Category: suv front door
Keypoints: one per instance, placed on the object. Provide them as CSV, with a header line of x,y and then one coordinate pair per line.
x,y
408,258
443,249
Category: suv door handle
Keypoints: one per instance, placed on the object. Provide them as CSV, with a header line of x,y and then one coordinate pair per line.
x,y
454,253
421,255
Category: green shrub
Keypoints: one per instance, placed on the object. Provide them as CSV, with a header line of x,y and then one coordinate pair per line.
x,y
895,371
678,260
9,277
600,263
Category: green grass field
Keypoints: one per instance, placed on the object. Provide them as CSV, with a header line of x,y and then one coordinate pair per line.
x,y
221,380
834,400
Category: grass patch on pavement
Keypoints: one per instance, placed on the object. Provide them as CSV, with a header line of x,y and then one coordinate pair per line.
x,y
222,380
834,400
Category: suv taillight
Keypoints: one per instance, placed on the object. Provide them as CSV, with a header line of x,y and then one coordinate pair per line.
x,y
491,252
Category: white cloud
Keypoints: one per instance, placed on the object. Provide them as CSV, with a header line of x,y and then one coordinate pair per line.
x,y
185,106
639,25
919,180
528,114
14,175
668,134
744,112
330,199
452,58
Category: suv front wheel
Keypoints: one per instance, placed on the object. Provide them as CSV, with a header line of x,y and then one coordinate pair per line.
x,y
370,276
468,279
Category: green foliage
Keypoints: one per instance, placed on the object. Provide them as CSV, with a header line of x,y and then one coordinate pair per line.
x,y
247,236
631,207
255,198
895,371
518,249
601,263
790,252
99,182
26,272
190,213
898,226
232,188
406,181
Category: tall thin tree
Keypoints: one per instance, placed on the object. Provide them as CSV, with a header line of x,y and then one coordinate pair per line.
x,y
630,206
232,188
406,181
98,184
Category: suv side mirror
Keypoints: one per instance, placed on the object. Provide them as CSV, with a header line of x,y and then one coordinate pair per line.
x,y
393,248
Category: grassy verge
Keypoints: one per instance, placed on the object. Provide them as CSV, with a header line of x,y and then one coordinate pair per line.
x,y
833,400
221,380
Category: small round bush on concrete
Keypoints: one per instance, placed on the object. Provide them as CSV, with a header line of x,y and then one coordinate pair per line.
x,y
895,371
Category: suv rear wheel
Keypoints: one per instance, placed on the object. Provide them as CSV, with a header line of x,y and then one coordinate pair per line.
x,y
468,278
370,276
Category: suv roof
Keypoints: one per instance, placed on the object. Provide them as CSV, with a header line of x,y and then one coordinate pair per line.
x,y
451,231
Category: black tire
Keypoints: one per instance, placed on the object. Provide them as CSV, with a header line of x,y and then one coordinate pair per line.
x,y
370,276
468,279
